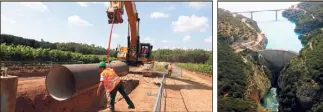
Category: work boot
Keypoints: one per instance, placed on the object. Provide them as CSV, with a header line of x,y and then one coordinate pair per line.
x,y
131,107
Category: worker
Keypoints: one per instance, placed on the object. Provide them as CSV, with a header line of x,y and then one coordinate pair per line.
x,y
170,68
111,82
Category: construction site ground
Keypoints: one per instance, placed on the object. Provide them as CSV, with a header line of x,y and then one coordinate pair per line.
x,y
184,91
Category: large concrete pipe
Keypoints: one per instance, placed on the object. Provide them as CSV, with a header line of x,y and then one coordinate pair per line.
x,y
66,81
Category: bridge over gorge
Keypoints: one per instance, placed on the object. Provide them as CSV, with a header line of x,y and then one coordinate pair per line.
x,y
251,12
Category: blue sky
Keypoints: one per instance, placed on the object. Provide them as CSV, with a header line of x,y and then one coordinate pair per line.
x,y
164,24
252,6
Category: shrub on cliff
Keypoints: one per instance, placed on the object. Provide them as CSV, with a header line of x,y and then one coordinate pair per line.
x,y
301,82
227,104
307,16
232,72
232,29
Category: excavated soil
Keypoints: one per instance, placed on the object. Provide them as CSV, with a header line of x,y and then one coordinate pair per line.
x,y
28,71
32,96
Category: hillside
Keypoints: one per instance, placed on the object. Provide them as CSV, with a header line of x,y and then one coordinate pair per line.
x,y
70,46
301,81
240,32
242,81
307,16
14,48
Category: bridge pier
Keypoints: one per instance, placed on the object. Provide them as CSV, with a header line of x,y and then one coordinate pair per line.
x,y
251,12
276,15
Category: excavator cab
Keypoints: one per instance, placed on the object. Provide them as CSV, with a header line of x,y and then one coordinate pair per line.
x,y
145,52
135,53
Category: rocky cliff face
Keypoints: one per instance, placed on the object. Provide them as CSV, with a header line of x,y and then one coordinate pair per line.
x,y
301,81
240,32
240,77
307,16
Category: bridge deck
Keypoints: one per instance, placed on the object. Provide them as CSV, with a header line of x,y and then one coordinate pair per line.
x,y
260,11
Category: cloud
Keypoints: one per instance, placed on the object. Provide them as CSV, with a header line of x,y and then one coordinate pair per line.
x,y
83,4
76,20
208,40
6,19
156,15
186,38
35,5
190,23
197,5
164,41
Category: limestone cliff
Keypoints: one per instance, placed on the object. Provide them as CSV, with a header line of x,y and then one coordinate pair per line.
x,y
239,76
240,32
301,81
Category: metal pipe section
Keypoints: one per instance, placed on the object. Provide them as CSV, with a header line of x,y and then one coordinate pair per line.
x,y
8,93
157,106
66,81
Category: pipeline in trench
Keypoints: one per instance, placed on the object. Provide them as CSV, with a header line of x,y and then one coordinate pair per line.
x,y
69,88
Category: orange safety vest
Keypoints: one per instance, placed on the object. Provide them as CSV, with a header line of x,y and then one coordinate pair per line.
x,y
170,67
111,79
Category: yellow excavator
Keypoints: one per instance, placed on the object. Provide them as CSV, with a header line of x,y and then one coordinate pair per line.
x,y
136,52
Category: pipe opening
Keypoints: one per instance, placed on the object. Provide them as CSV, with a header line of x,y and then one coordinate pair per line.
x,y
60,83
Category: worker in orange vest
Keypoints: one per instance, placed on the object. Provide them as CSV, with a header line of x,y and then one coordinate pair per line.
x,y
170,69
111,82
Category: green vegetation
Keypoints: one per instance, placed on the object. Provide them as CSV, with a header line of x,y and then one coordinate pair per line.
x,y
196,60
26,53
303,16
16,48
159,67
298,92
301,81
232,72
201,68
239,75
227,104
71,46
231,29
183,56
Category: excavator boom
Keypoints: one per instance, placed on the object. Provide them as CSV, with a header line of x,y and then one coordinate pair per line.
x,y
114,13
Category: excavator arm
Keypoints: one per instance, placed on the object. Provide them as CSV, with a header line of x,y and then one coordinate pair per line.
x,y
135,50
115,12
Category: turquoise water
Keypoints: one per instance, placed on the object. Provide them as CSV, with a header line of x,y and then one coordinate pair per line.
x,y
270,101
280,34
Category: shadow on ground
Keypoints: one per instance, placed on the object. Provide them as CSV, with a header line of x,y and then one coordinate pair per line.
x,y
147,74
192,85
129,86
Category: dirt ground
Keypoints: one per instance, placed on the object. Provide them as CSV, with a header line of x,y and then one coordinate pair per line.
x,y
188,91
32,96
182,93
